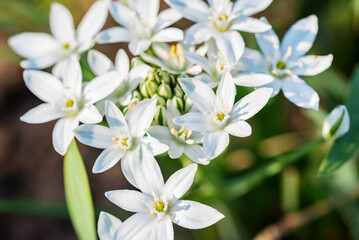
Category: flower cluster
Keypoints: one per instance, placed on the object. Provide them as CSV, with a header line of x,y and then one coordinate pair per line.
x,y
178,98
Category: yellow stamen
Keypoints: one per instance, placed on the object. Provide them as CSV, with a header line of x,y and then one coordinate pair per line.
x,y
223,16
179,50
70,103
116,139
160,206
316,57
124,142
220,116
174,132
173,51
66,46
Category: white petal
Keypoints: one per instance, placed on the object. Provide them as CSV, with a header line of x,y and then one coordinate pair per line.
x,y
167,17
138,46
300,37
198,59
63,134
251,104
72,76
153,60
338,113
196,121
45,86
269,43
114,35
300,93
43,113
146,172
93,21
99,62
168,35
313,65
123,15
252,61
200,94
175,150
171,113
138,226
252,79
194,215
214,143
161,133
194,10
147,7
107,226
239,129
94,135
206,79
126,165
138,73
276,86
141,116
61,23
59,68
33,45
122,63
196,154
154,145
107,159
250,7
198,33
115,118
231,45
129,200
226,92
163,230
41,62
101,86
251,25
179,182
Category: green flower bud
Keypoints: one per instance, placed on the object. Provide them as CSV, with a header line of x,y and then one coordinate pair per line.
x,y
137,94
151,75
165,91
173,80
160,100
151,87
143,89
165,77
160,116
178,102
178,92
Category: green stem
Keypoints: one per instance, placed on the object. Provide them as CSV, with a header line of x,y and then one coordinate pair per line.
x,y
244,183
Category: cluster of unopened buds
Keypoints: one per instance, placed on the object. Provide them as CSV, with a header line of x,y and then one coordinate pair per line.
x,y
177,98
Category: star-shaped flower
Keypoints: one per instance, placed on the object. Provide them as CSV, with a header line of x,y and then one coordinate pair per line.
x,y
286,61
66,100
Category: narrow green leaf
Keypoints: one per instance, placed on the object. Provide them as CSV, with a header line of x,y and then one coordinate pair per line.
x,y
345,147
78,195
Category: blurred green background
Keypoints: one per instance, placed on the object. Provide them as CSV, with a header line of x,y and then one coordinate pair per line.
x,y
290,203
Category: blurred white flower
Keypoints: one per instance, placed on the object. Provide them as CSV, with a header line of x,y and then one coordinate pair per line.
x,y
66,100
158,204
219,116
43,50
107,226
141,25
171,58
285,61
337,123
123,138
179,139
100,64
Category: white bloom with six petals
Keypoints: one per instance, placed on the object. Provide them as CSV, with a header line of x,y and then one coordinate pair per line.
x,y
219,116
66,100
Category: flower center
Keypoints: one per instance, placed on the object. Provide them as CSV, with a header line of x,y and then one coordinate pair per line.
x,y
125,142
159,206
220,116
71,108
176,54
281,65
70,103
66,46
223,17
182,134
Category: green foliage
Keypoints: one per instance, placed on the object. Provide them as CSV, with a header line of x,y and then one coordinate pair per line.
x,y
78,195
345,147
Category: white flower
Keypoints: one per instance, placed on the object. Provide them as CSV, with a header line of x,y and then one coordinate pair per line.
x,y
285,61
66,100
337,123
141,26
158,205
171,58
124,137
43,50
179,139
219,116
220,19
107,226
100,64
224,56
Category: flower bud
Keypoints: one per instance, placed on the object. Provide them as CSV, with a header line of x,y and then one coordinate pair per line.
x,y
151,87
151,75
178,103
165,91
160,116
143,89
136,94
337,123
178,92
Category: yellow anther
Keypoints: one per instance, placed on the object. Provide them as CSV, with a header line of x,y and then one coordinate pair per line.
x,y
116,139
220,116
160,206
173,51
179,50
124,142
316,57
169,56
222,68
174,132
182,129
70,103
66,46
223,16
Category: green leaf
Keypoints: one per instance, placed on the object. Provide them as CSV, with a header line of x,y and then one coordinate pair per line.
x,y
345,147
78,195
